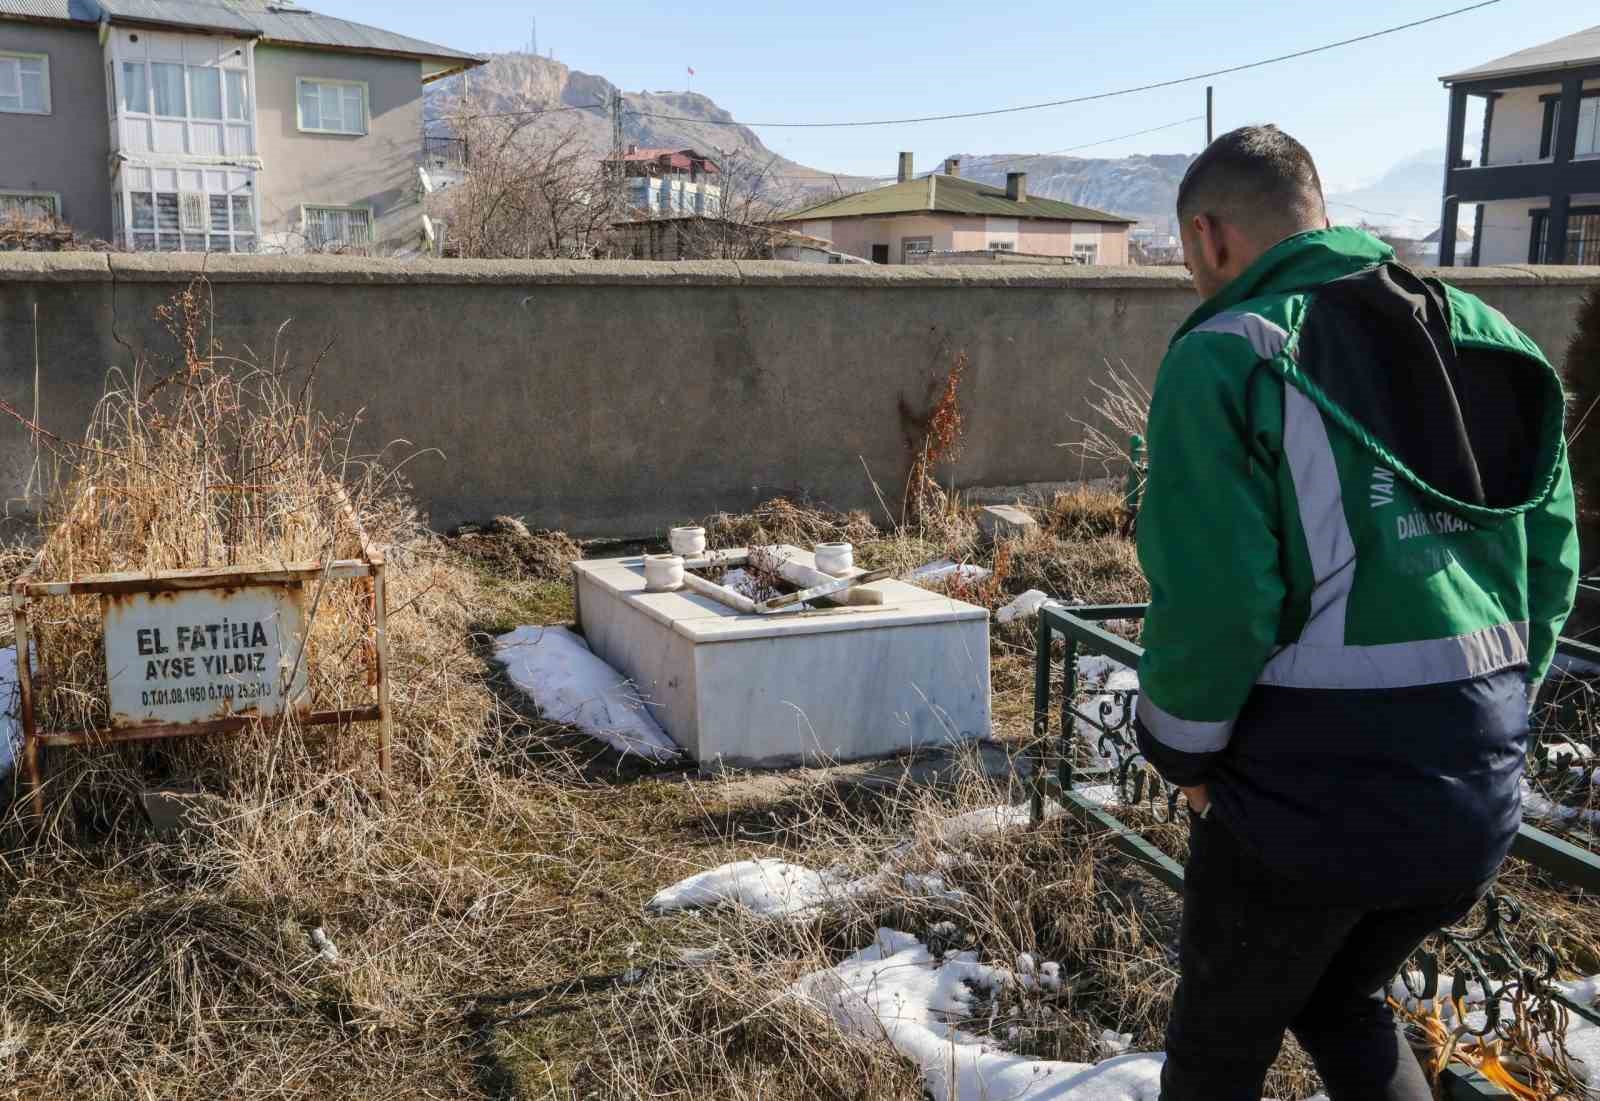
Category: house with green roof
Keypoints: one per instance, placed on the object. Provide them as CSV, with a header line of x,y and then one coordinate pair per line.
x,y
920,219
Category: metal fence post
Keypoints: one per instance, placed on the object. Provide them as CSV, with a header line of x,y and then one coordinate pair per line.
x,y
1130,497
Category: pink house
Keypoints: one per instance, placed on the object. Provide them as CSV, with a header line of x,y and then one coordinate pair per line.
x,y
918,218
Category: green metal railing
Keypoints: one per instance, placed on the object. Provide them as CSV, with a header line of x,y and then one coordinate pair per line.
x,y
1486,951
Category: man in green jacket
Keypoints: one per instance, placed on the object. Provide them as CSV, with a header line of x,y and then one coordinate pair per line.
x,y
1359,537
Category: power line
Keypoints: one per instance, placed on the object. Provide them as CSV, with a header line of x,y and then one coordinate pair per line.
x,y
1101,95
532,111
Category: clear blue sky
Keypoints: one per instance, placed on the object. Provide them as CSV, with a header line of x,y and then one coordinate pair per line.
x,y
1360,108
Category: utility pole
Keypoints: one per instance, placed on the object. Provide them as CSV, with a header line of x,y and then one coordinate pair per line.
x,y
1209,133
618,178
533,37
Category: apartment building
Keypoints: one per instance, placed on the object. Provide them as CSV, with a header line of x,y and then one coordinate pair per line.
x,y
671,182
1534,181
210,126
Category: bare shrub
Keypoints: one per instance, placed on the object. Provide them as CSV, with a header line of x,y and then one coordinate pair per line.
x,y
533,193
1122,408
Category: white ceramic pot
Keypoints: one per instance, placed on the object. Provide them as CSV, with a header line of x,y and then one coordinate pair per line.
x,y
663,572
835,558
687,541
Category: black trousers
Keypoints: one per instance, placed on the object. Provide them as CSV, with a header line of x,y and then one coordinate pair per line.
x,y
1259,954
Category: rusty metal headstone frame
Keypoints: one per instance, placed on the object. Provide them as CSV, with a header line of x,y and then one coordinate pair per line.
x,y
1485,951
226,691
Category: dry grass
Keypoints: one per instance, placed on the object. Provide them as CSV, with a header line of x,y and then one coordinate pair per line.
x,y
507,549
781,520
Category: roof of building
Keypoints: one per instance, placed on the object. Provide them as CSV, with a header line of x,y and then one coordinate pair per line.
x,y
950,195
77,11
675,158
1578,48
1461,235
270,20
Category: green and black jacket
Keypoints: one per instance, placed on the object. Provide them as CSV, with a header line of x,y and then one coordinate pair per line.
x,y
1359,537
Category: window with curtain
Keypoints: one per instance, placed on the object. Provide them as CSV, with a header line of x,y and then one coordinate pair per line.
x,y
205,93
166,81
238,97
333,108
135,87
1588,127
25,83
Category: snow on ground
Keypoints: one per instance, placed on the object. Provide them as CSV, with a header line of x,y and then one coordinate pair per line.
x,y
10,726
1535,805
774,888
1100,676
943,569
556,669
765,887
1025,606
895,990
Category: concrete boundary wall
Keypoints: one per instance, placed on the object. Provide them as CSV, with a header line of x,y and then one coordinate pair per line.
x,y
616,398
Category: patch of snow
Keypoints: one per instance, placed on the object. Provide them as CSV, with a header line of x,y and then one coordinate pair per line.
x,y
1101,795
1536,805
766,887
943,569
1025,606
10,716
1096,671
894,990
931,886
556,669
774,888
1115,1043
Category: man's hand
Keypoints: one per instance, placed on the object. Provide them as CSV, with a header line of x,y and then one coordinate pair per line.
x,y
1199,798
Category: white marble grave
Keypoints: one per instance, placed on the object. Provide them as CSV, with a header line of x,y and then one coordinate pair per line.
x,y
843,683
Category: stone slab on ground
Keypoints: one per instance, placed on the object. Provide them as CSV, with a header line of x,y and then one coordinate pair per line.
x,y
999,522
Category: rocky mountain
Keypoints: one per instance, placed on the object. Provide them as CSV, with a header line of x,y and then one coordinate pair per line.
x,y
675,120
1404,200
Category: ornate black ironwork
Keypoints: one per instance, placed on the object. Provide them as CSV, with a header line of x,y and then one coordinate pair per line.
x,y
1488,956
1135,780
1564,748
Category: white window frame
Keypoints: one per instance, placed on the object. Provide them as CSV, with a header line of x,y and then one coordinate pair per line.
x,y
915,246
1002,245
122,214
1089,249
366,107
44,69
22,193
343,208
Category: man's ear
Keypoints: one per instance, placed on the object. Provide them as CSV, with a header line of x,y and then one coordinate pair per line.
x,y
1213,241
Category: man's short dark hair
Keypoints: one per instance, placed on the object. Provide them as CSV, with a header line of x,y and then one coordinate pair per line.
x,y
1258,178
